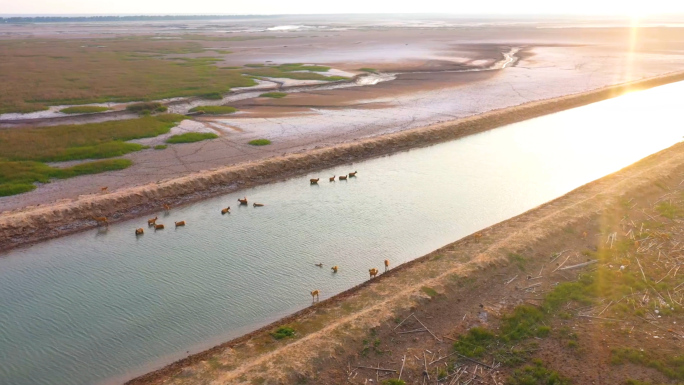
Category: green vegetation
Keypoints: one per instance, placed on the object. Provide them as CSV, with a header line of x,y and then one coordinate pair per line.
x,y
394,381
537,375
283,332
429,291
371,70
290,71
76,71
191,137
83,109
276,95
670,366
19,177
668,210
518,259
212,96
24,151
160,147
259,142
214,110
146,107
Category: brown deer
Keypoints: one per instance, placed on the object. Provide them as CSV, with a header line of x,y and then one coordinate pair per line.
x,y
314,181
352,174
101,221
178,224
386,264
332,178
158,227
373,272
226,210
478,236
243,201
103,189
151,222
342,177
139,231
314,296
334,269
166,207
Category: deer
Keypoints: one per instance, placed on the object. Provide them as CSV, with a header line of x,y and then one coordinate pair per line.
x,y
103,189
101,221
258,204
386,264
314,181
352,174
332,178
373,272
158,227
166,207
342,177
226,210
243,201
178,224
151,222
478,236
314,296
334,269
139,231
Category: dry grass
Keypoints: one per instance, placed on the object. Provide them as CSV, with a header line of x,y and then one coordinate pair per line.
x,y
38,73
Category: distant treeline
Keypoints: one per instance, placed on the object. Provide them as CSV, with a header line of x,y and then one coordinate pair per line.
x,y
71,19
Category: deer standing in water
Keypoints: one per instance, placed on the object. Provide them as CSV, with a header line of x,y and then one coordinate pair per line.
x,y
243,201
334,269
158,227
373,272
342,177
151,222
352,174
314,181
166,207
332,178
181,223
386,264
226,210
139,231
101,221
314,296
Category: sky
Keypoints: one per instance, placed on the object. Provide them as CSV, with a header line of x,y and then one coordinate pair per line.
x,y
214,7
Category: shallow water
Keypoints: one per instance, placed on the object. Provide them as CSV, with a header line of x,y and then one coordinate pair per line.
x,y
94,306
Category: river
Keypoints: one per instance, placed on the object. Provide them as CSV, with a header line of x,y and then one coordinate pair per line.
x,y
103,306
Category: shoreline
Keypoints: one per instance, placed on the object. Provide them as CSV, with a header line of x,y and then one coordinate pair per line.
x,y
29,225
484,251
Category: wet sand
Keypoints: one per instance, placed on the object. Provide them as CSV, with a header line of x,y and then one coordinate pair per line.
x,y
36,223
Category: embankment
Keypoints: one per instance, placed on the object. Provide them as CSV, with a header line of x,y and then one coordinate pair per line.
x,y
33,224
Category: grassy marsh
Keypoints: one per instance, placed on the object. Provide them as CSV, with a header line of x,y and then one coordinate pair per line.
x,y
259,142
84,109
275,95
191,137
214,110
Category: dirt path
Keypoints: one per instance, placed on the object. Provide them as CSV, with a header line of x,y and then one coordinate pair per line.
x,y
472,282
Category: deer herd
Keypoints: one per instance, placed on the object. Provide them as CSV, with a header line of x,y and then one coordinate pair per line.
x,y
152,222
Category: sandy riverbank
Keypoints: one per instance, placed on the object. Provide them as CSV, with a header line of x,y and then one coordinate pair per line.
x,y
465,281
36,223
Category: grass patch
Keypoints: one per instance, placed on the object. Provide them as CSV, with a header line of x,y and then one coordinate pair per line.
x,y
214,110
290,71
82,141
371,70
275,95
19,177
212,96
191,137
536,374
668,210
160,147
36,73
518,259
670,366
259,142
429,291
146,107
84,109
283,332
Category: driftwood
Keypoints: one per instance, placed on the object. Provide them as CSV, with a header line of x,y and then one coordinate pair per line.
x,y
378,368
426,328
580,265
